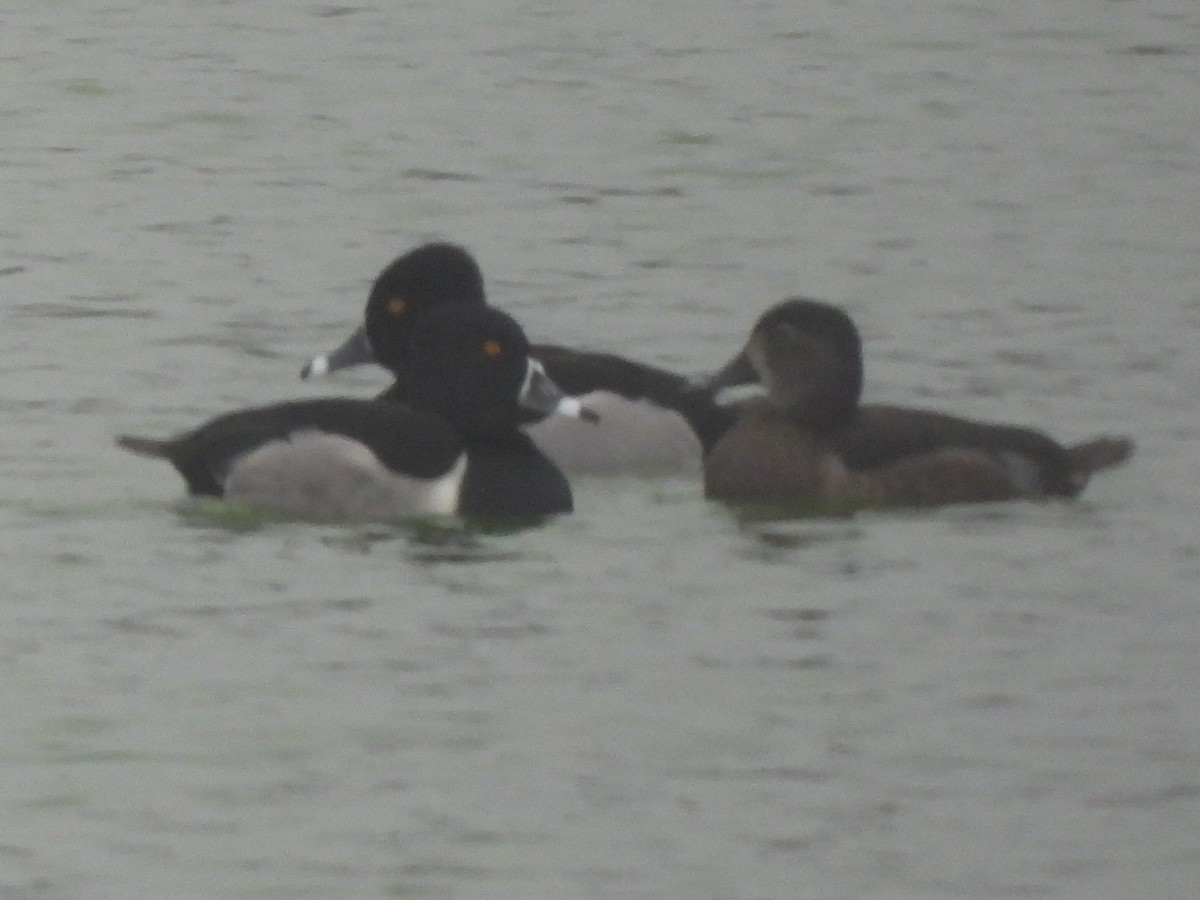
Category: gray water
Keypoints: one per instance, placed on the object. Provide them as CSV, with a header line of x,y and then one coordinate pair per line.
x,y
650,698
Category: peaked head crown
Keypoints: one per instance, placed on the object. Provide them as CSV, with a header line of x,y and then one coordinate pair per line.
x,y
471,366
808,356
429,277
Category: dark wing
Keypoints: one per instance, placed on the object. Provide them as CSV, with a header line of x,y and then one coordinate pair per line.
x,y
582,371
880,435
404,439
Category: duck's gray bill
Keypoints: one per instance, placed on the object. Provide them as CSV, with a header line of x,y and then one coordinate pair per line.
x,y
354,351
541,395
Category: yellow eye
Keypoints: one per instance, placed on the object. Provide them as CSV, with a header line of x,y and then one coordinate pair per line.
x,y
492,349
397,306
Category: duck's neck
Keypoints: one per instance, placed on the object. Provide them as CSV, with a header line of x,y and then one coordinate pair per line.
x,y
817,384
821,405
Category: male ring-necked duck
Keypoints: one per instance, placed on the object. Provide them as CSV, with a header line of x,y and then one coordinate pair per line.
x,y
651,420
810,441
453,448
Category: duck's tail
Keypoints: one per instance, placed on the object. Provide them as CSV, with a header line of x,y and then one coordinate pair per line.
x,y
145,446
1091,456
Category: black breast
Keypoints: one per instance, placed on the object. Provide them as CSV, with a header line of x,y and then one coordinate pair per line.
x,y
508,477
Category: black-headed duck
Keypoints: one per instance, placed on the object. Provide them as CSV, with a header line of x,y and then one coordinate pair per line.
x,y
650,420
453,448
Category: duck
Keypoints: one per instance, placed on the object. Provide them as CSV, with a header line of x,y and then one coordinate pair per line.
x,y
809,441
650,421
453,448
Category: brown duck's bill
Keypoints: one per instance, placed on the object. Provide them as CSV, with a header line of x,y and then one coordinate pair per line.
x,y
354,351
736,372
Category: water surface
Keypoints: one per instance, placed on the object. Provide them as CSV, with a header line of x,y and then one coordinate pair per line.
x,y
651,698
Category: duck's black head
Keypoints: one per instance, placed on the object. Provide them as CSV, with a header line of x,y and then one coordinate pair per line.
x,y
470,365
808,356
429,277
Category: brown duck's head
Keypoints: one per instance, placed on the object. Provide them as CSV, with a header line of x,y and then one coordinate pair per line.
x,y
807,355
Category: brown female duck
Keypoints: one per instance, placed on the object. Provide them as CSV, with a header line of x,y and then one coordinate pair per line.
x,y
810,441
